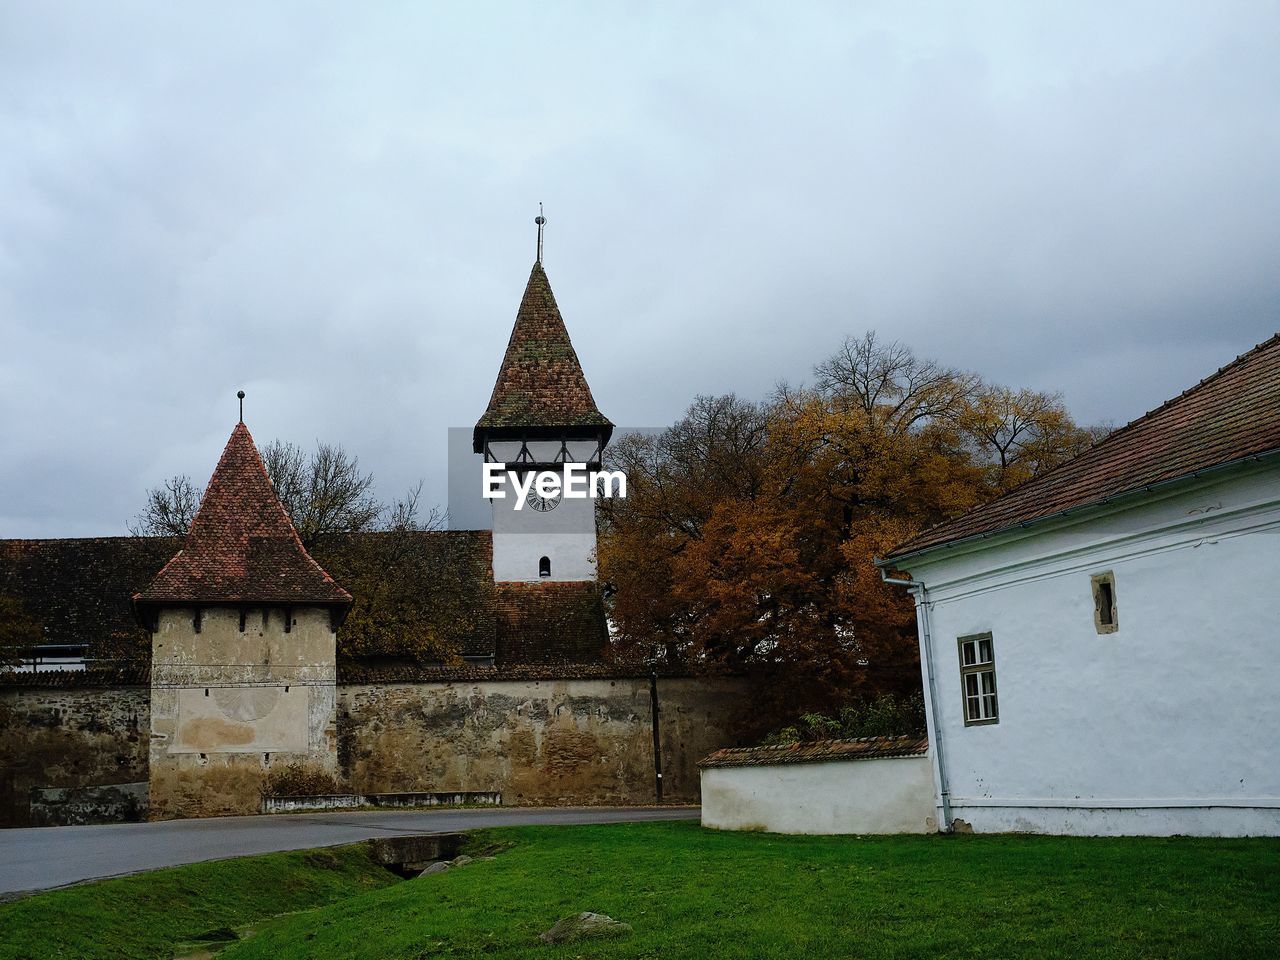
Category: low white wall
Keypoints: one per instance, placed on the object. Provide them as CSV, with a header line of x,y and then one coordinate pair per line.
x,y
885,795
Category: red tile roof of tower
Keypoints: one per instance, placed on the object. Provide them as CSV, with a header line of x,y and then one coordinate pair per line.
x,y
540,383
242,547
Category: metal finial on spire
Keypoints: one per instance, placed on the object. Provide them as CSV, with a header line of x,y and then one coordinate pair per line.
x,y
540,220
240,397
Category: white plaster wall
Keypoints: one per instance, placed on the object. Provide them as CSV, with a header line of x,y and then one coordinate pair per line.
x,y
1169,725
567,535
887,795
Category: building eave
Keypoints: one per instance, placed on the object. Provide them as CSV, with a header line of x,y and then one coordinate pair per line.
x,y
896,561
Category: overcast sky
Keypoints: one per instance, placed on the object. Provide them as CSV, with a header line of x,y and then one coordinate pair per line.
x,y
332,208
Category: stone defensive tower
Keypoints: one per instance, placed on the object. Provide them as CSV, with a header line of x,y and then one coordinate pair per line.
x,y
243,629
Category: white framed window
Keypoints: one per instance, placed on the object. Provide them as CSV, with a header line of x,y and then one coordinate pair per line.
x,y
978,679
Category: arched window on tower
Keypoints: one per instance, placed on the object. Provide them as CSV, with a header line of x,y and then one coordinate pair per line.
x,y
544,567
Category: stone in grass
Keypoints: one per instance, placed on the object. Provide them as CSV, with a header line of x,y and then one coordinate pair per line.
x,y
218,935
584,926
461,860
440,866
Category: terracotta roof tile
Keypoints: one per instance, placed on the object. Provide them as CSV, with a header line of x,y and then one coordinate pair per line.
x,y
1232,415
354,671
540,382
453,571
819,751
80,590
550,623
128,675
351,672
242,547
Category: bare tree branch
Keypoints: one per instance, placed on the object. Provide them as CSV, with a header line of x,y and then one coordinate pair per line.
x,y
169,509
325,495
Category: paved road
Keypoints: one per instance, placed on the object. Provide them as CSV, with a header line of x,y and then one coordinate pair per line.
x,y
38,858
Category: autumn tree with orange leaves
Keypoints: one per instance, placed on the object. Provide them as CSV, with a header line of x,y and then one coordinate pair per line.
x,y
746,539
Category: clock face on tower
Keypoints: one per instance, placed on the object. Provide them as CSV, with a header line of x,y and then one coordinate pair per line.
x,y
543,504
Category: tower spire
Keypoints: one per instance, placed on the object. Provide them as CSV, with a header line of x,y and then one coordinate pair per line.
x,y
540,383
541,221
240,397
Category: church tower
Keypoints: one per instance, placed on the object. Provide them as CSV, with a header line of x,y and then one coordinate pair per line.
x,y
243,632
540,417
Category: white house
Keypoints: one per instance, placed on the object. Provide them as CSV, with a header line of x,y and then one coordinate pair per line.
x,y
1101,647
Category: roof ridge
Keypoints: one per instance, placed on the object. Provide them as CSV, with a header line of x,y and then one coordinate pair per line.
x,y
818,751
1194,388
112,536
895,737
1095,480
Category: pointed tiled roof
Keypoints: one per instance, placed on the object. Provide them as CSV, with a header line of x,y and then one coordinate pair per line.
x,y
242,547
1231,416
540,383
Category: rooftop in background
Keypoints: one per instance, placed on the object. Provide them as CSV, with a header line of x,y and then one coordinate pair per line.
x,y
1231,416
242,546
79,591
819,751
540,383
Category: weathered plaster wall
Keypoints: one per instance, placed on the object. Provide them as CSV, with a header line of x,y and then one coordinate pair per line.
x,y
535,741
1170,724
53,737
227,705
886,795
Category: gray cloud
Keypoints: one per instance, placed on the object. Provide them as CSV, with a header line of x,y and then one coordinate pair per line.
x,y
332,209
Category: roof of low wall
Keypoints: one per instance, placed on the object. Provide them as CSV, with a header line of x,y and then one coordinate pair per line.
x,y
355,672
819,751
79,592
101,678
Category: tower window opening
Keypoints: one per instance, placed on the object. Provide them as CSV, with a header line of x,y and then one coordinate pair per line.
x,y
1105,616
544,567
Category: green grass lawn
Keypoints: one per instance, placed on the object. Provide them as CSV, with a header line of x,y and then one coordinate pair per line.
x,y
148,914
691,893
